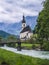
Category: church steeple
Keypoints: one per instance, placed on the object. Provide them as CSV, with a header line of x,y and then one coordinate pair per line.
x,y
23,22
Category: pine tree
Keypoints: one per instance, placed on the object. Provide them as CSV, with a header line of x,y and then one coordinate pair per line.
x,y
42,27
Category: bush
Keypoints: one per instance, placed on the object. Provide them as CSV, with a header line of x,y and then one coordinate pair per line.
x,y
46,46
11,45
33,46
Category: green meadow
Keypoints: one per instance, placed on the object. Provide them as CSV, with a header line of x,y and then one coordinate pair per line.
x,y
11,58
28,45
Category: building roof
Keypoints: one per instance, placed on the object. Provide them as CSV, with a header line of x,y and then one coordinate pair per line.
x,y
23,21
27,28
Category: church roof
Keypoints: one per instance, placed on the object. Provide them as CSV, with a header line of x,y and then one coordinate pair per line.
x,y
27,28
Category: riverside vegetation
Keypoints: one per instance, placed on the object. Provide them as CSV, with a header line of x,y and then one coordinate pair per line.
x,y
10,58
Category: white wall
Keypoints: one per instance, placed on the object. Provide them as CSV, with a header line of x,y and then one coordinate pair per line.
x,y
29,35
22,35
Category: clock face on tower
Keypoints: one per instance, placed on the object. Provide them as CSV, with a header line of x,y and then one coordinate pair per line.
x,y
23,25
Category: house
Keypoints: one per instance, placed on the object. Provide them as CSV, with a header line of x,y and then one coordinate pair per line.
x,y
26,31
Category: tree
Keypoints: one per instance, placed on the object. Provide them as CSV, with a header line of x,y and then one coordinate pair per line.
x,y
11,38
46,4
42,27
1,40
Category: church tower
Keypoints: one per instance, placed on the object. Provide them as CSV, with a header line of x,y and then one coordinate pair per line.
x,y
23,22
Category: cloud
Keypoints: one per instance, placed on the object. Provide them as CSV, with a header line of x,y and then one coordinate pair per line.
x,y
12,10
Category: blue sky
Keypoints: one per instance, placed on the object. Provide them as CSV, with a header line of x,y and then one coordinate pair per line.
x,y
12,10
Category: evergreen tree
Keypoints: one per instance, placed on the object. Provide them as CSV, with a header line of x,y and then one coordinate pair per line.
x,y
42,27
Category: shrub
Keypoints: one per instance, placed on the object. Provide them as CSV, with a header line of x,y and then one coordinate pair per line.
x,y
11,45
46,46
33,46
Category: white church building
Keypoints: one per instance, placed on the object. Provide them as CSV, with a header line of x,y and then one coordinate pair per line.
x,y
26,31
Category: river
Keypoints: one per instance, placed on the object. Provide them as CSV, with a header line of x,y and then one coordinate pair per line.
x,y
32,53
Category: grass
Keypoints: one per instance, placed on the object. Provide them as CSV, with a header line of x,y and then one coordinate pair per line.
x,y
25,46
17,59
28,45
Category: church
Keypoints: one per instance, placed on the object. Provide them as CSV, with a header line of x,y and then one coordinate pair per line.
x,y
26,31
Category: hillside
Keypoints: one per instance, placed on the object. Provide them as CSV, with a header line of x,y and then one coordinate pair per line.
x,y
4,34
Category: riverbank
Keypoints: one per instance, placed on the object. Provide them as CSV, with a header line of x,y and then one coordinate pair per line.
x,y
32,53
10,58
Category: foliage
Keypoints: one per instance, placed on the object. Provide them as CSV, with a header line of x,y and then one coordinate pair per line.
x,y
1,39
33,46
11,38
32,40
46,45
42,27
11,58
29,46
46,4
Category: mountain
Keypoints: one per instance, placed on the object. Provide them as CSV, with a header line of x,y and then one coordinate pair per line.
x,y
31,21
15,28
4,34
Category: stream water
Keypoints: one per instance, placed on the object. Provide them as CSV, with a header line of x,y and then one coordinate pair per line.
x,y
33,53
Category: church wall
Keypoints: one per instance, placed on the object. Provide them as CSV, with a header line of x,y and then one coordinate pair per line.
x,y
26,34
29,35
22,35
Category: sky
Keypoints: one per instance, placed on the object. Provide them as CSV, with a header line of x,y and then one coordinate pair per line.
x,y
11,11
